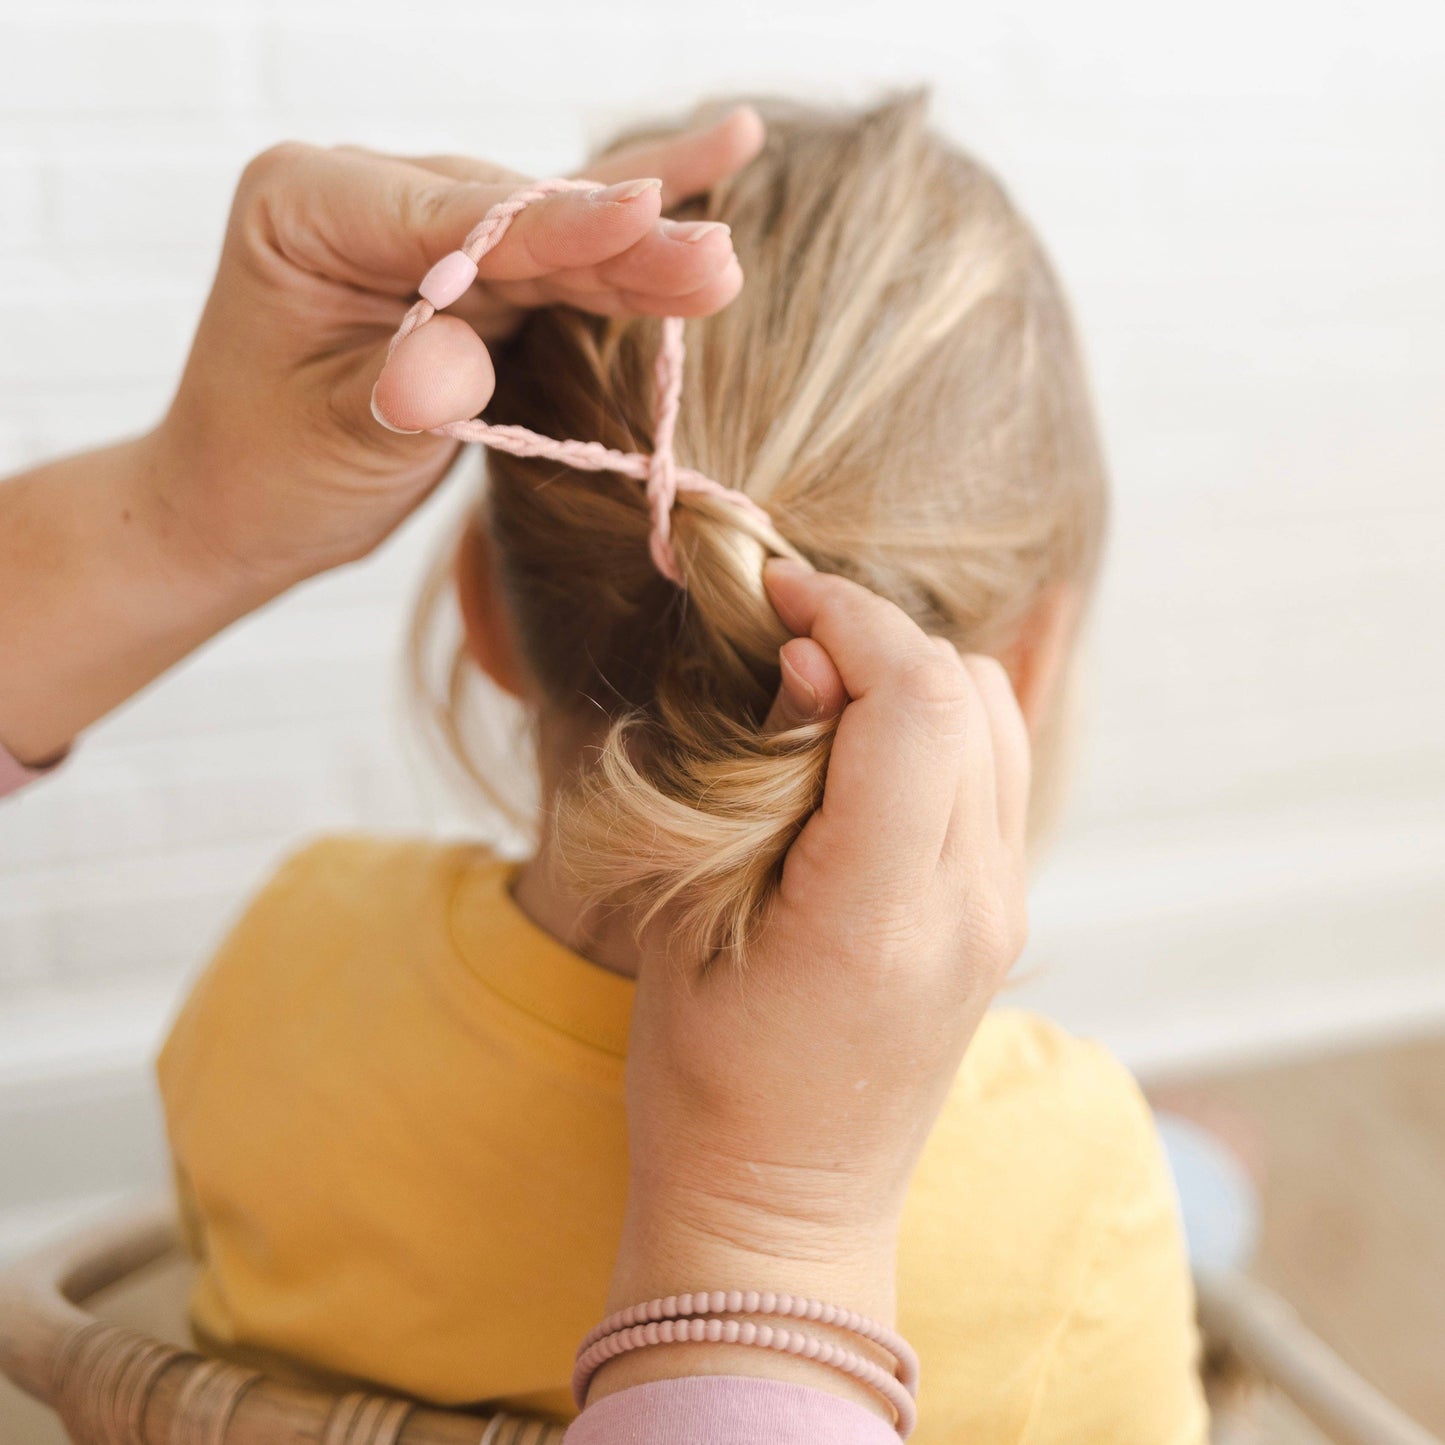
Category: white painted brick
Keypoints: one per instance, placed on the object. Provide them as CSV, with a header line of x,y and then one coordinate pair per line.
x,y
22,209
161,203
199,792
18,446
148,912
102,66
36,832
27,953
127,134
489,63
140,936
63,418
109,335
282,693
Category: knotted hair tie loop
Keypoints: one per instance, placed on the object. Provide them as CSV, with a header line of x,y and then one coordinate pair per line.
x,y
450,279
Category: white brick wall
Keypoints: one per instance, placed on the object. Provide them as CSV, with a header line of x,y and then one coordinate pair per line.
x,y
104,63
22,225
1250,210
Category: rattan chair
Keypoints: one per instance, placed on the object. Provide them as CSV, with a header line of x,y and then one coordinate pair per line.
x,y
1244,1322
114,1384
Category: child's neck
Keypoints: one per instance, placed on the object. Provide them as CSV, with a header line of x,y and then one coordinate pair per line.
x,y
542,892
542,889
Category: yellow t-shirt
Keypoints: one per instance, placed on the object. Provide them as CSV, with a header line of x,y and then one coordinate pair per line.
x,y
396,1112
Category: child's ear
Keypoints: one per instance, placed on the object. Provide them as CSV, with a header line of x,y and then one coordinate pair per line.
x,y
490,640
1038,656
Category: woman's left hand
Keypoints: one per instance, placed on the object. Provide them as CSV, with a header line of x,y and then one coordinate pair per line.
x,y
777,1110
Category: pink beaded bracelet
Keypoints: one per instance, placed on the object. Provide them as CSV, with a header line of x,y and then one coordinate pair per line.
x,y
692,1318
764,1302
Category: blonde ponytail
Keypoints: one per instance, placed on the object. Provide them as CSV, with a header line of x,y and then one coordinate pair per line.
x,y
897,385
691,804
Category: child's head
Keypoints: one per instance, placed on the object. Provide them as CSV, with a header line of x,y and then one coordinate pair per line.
x,y
898,385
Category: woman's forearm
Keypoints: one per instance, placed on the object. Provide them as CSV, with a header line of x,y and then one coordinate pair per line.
x,y
101,590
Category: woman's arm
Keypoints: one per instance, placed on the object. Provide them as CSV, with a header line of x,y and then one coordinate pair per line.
x,y
105,588
776,1118
270,466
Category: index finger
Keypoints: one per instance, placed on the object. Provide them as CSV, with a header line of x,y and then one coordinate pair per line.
x,y
897,756
378,223
688,163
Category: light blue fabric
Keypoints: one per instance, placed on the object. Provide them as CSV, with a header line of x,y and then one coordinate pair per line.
x,y
1217,1198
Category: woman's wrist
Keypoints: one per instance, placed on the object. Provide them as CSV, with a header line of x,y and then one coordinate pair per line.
x,y
691,1244
107,586
667,1242
188,558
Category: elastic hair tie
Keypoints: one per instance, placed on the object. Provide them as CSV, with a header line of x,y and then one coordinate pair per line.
x,y
451,278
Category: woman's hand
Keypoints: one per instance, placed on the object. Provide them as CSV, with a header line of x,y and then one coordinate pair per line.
x,y
777,1112
270,465
272,461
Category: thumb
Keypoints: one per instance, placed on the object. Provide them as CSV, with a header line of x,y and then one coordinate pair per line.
x,y
811,688
442,372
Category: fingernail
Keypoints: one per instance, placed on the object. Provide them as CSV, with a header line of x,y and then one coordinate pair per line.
x,y
625,191
785,567
399,430
693,231
777,570
802,691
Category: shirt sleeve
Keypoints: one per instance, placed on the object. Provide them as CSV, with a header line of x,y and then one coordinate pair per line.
x,y
1125,1364
727,1410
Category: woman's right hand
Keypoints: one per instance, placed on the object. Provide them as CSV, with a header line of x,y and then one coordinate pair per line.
x,y
777,1115
272,456
270,466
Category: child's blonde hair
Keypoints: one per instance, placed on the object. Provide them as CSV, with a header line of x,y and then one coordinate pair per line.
x,y
897,384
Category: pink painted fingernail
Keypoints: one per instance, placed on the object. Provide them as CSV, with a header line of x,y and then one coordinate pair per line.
x,y
693,231
625,191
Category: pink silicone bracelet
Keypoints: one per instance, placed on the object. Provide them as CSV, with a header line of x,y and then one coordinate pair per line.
x,y
763,1302
745,1332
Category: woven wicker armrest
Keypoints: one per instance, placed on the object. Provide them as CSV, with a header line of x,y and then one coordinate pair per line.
x,y
112,1385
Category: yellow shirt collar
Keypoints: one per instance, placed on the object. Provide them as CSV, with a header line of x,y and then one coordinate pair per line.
x,y
531,969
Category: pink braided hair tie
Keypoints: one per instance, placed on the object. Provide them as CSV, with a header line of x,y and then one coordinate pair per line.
x,y
450,279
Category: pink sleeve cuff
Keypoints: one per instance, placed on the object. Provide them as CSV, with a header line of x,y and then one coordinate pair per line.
x,y
14,774
727,1410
